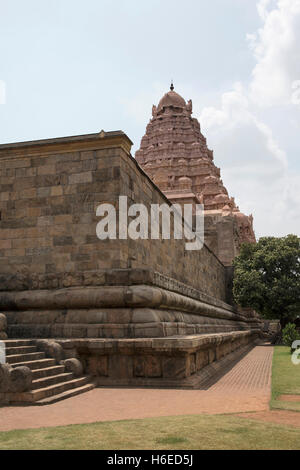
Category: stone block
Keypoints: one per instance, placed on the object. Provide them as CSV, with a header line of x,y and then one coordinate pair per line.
x,y
147,366
56,191
62,240
84,177
5,244
46,170
192,364
175,367
120,367
139,366
153,366
202,359
212,355
149,330
97,365
3,322
94,331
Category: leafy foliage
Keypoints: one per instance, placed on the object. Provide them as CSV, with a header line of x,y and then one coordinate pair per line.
x,y
267,277
290,334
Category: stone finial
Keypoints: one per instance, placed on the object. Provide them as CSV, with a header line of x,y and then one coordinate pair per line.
x,y
189,106
172,86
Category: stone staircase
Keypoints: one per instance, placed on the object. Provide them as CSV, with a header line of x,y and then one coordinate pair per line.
x,y
51,382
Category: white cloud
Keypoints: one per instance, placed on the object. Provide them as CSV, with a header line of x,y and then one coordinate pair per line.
x,y
2,92
276,49
296,92
253,164
234,115
262,8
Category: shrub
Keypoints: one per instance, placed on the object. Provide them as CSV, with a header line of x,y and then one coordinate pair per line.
x,y
290,334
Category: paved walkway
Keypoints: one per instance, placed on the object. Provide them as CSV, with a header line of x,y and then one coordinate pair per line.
x,y
246,387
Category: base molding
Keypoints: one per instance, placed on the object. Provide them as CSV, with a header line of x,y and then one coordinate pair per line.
x,y
171,362
139,311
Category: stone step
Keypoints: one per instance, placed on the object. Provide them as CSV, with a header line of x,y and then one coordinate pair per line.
x,y
20,350
16,358
46,392
12,343
51,380
47,372
64,395
38,364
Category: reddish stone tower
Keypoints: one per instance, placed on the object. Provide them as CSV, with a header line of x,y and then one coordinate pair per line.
x,y
175,155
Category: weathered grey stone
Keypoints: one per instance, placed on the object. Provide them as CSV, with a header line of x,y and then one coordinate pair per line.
x,y
73,365
4,377
175,367
51,349
115,296
20,379
144,315
3,322
56,351
153,366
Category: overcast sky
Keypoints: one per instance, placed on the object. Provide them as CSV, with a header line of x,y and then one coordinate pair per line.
x,y
72,67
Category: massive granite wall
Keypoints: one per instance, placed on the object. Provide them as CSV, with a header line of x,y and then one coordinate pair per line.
x,y
48,198
57,279
135,312
49,191
199,269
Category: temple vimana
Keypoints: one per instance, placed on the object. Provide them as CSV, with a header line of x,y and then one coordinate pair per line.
x,y
174,154
78,312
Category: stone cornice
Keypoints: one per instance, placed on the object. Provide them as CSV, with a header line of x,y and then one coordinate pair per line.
x,y
86,142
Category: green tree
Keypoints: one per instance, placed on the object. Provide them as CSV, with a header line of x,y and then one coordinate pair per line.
x,y
267,277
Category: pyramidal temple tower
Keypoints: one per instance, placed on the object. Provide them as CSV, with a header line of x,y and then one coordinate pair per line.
x,y
175,156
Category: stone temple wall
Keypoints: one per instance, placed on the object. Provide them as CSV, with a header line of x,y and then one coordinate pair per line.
x,y
48,220
113,302
48,196
199,269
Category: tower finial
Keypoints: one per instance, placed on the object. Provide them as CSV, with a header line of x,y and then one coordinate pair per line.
x,y
172,86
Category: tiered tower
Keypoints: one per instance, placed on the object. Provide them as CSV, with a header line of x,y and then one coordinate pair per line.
x,y
175,155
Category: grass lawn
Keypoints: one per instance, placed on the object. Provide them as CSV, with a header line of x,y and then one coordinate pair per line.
x,y
176,432
285,379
